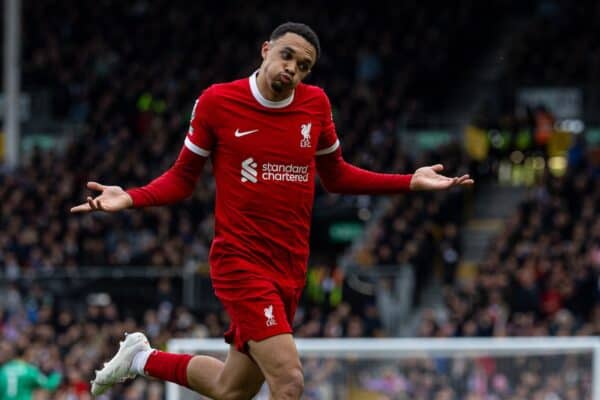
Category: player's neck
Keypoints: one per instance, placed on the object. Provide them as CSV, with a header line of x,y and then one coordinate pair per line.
x,y
268,93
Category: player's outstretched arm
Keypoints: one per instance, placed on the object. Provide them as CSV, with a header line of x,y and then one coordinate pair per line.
x,y
429,178
338,176
111,199
176,184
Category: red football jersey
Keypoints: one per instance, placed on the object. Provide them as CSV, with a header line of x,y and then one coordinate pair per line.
x,y
263,155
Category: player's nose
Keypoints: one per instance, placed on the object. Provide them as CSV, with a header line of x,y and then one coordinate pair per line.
x,y
290,68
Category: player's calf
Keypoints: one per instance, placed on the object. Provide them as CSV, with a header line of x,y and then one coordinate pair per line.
x,y
239,378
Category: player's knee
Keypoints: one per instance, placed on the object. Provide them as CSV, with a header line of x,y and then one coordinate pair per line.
x,y
289,384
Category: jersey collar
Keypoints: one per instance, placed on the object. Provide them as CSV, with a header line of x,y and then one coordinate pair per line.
x,y
267,103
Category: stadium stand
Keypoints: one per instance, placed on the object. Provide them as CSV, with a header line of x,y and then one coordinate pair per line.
x,y
128,73
572,56
134,103
539,275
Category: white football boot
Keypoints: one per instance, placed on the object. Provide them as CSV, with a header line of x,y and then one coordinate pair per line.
x,y
118,369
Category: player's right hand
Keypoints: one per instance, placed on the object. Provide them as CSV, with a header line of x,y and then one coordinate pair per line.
x,y
112,198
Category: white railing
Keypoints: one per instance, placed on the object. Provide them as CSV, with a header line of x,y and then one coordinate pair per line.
x,y
385,350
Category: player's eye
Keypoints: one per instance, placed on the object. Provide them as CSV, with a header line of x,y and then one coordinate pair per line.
x,y
286,55
303,67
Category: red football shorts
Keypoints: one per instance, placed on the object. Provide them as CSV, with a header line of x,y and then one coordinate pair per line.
x,y
258,309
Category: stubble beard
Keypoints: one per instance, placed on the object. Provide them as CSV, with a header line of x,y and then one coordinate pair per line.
x,y
277,86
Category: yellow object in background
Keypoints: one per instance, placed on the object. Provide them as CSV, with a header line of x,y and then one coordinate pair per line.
x,y
557,165
560,142
476,143
1,145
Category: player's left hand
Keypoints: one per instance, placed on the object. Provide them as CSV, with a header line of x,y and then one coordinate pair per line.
x,y
429,178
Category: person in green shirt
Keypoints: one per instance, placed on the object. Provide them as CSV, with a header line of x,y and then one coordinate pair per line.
x,y
18,378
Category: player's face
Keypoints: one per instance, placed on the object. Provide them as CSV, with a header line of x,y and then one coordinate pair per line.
x,y
286,62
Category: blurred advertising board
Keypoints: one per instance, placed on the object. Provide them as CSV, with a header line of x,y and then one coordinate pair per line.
x,y
562,102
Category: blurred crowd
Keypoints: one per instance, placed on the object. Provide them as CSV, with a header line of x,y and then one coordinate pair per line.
x,y
129,72
420,229
74,338
557,46
479,378
133,102
540,276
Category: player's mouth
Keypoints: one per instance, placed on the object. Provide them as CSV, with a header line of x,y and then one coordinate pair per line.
x,y
285,79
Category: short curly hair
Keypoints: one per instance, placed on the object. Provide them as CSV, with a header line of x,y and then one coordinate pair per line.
x,y
299,29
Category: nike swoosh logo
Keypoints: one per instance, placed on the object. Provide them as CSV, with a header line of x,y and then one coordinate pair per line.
x,y
240,134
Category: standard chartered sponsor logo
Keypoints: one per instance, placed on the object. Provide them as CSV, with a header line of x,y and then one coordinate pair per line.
x,y
273,172
249,170
284,172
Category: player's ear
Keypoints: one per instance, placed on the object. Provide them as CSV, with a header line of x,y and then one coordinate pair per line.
x,y
265,49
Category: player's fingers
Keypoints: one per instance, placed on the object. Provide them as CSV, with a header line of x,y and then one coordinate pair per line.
x,y
84,207
462,179
438,167
467,182
92,203
95,186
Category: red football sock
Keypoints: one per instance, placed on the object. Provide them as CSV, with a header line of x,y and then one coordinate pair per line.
x,y
168,367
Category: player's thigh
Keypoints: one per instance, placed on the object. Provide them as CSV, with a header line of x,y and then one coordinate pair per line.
x,y
277,358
